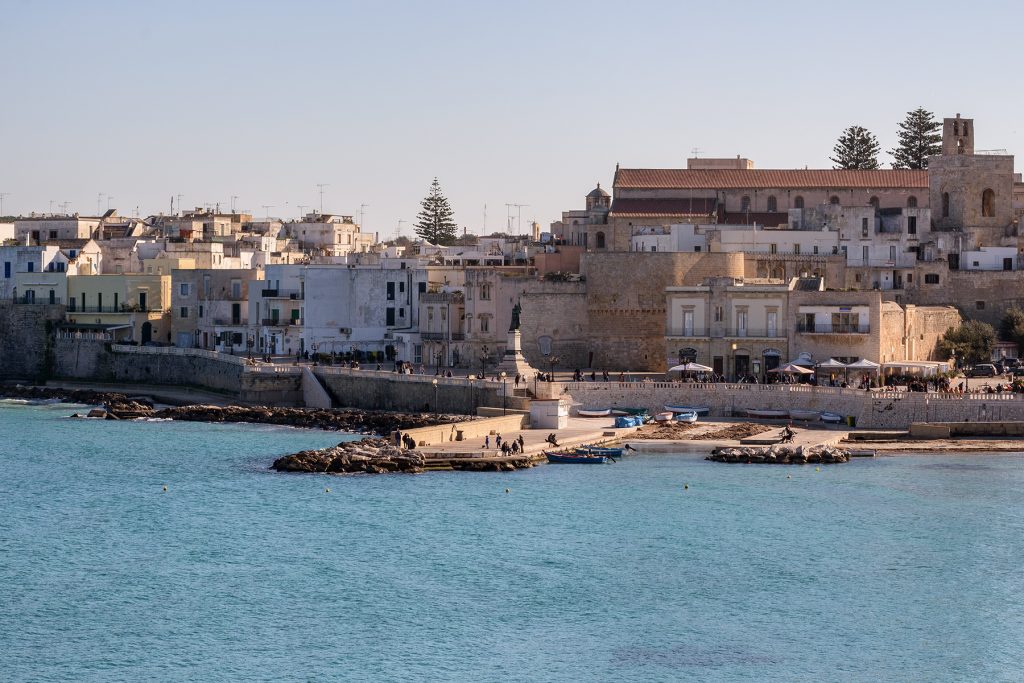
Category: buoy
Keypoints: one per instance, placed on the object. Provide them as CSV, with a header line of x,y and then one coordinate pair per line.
x,y
165,488
817,469
327,490
789,476
686,487
508,490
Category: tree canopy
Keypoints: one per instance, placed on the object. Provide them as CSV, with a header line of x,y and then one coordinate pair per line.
x,y
857,148
1011,327
919,138
972,342
435,223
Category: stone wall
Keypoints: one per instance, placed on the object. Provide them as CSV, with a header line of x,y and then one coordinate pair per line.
x,y
876,409
980,295
507,425
26,338
557,310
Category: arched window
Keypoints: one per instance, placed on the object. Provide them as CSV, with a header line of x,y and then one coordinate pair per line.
x,y
988,203
945,205
773,204
745,203
798,203
834,200
874,202
911,202
600,240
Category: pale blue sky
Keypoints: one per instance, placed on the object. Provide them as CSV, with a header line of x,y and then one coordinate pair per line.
x,y
528,102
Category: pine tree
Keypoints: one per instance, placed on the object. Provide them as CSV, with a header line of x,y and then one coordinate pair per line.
x,y
919,139
434,222
857,148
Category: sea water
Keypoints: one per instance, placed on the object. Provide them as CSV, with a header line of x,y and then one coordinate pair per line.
x,y
893,569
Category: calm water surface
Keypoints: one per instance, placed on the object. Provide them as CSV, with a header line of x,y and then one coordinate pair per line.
x,y
903,569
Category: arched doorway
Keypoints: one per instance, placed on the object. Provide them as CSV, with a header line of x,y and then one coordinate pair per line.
x,y
772,359
687,355
147,332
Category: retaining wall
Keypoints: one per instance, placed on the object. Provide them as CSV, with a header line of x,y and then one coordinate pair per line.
x,y
475,430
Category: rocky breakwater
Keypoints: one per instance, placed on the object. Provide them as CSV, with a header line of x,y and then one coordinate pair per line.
x,y
780,455
370,456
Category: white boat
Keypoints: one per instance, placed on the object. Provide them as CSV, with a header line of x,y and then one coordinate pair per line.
x,y
594,412
700,410
686,417
663,417
807,415
831,418
753,412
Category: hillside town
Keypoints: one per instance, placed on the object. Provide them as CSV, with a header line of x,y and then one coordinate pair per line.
x,y
721,263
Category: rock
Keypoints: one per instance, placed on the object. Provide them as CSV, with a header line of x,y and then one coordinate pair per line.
x,y
96,412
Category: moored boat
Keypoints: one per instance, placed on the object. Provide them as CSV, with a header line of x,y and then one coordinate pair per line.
x,y
767,413
599,450
629,411
686,417
805,415
594,412
831,418
663,417
575,459
700,410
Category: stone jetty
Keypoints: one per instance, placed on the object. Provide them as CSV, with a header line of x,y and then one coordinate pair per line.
x,y
780,455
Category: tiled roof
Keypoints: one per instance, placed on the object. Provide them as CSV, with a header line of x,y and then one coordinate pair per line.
x,y
700,206
735,179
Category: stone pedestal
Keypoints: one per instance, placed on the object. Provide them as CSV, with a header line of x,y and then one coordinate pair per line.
x,y
513,362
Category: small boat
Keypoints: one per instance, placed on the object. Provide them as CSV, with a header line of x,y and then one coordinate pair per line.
x,y
575,459
599,450
663,417
686,417
629,411
594,412
700,410
831,418
806,415
755,412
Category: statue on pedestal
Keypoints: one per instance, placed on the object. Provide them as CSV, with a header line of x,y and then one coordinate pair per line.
x,y
516,310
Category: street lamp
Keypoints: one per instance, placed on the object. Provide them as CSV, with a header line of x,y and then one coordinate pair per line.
x,y
503,394
249,343
315,346
434,382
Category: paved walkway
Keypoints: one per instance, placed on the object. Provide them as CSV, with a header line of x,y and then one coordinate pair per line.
x,y
579,432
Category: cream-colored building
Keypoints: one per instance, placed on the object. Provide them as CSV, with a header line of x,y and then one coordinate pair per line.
x,y
138,303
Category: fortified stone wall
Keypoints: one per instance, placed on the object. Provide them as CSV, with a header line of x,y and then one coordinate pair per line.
x,y
557,310
980,295
26,336
626,302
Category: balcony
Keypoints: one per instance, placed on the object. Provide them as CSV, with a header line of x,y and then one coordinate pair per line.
x,y
72,308
758,332
280,322
441,336
291,294
829,328
38,301
224,322
695,332
901,261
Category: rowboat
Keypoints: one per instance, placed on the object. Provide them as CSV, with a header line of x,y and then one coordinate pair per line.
x,y
594,412
575,459
831,418
629,411
663,417
686,417
598,450
808,415
700,410
754,412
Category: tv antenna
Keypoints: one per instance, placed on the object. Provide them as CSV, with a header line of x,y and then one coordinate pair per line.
x,y
266,209
302,210
99,203
362,208
2,195
519,217
398,228
696,152
322,186
64,207
179,202
234,198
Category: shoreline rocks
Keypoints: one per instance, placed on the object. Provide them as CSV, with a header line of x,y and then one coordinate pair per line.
x,y
780,455
369,456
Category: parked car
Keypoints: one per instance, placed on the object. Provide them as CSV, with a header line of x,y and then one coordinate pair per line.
x,y
982,370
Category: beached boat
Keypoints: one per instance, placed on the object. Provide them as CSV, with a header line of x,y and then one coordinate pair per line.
x,y
686,417
629,411
599,450
767,413
575,459
700,410
594,412
806,415
663,417
831,418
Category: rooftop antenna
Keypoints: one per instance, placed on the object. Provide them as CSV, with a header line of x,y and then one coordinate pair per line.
x,y
398,229
485,219
2,195
302,209
266,209
64,207
696,152
51,207
179,202
508,217
519,217
234,198
108,202
322,186
362,208
99,204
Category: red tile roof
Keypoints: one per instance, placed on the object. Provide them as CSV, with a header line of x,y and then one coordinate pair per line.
x,y
736,179
699,206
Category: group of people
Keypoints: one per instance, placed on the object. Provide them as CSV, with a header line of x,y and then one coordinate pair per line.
x,y
507,447
578,376
405,441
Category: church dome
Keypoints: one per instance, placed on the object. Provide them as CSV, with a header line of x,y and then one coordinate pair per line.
x,y
598,192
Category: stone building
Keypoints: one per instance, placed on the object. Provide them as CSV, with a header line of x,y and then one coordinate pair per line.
x,y
210,308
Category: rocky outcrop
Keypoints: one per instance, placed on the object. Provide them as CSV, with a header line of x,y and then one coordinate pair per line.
x,y
370,456
780,455
86,396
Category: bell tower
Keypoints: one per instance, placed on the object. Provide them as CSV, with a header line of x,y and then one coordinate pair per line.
x,y
957,136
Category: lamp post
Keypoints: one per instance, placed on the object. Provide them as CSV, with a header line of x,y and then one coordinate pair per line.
x,y
249,343
503,394
315,346
434,382
483,361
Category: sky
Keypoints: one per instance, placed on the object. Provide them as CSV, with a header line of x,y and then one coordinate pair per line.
x,y
128,104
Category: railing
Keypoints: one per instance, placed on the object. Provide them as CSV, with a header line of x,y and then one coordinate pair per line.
x,y
689,332
829,328
72,308
177,351
280,322
902,261
37,300
293,294
225,321
442,336
424,378
741,332
762,332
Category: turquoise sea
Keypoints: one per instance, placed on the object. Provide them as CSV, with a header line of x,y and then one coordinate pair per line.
x,y
894,569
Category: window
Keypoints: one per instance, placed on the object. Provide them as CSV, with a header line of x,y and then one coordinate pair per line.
x,y
834,200
31,267
856,277
183,313
485,324
99,302
911,225
892,253
980,305
741,323
485,292
391,291
798,203
910,278
815,248
988,204
773,249
401,312
401,287
687,323
845,322
745,203
7,269
53,234
116,304
931,278
864,251
945,205
183,289
236,289
389,314
863,227
911,202
201,310
773,204
696,248
874,202
600,240
430,313
421,287
796,249
719,314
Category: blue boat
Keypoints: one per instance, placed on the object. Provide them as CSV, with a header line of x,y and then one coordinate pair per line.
x,y
567,459
689,416
598,450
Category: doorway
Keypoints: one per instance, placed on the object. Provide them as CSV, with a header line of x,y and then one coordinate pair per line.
x,y
147,327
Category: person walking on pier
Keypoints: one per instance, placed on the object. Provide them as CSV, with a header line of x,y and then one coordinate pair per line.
x,y
487,442
398,437
522,444
497,440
